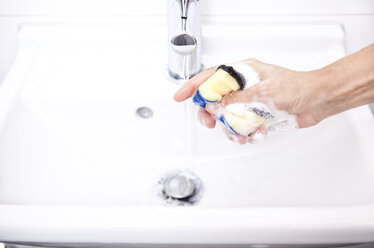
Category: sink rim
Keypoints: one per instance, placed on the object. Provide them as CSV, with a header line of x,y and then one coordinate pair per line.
x,y
196,225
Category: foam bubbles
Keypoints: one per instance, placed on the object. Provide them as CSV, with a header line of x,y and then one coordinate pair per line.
x,y
251,77
274,120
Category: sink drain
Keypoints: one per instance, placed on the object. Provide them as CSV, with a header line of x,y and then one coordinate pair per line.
x,y
180,188
144,112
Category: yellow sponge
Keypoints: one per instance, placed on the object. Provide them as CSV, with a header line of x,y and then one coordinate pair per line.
x,y
243,124
222,82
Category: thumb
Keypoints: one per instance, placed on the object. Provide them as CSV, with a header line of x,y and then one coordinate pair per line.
x,y
240,96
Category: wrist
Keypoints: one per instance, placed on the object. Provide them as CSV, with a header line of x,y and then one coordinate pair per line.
x,y
345,84
316,96
328,92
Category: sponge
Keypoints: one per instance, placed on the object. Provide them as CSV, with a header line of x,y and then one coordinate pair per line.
x,y
242,124
240,118
225,80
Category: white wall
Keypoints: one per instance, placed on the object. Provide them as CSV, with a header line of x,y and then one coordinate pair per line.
x,y
210,7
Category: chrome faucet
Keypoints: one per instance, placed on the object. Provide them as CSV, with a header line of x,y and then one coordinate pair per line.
x,y
184,37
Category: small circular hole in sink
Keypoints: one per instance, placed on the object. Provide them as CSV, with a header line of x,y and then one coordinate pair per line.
x,y
144,112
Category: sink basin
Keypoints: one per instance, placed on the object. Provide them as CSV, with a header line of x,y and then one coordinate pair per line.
x,y
79,166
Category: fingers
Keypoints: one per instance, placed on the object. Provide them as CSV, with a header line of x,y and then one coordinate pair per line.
x,y
258,135
189,88
234,137
241,139
206,119
207,116
239,96
215,109
263,69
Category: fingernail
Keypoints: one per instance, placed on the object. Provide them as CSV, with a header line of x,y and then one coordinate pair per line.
x,y
202,122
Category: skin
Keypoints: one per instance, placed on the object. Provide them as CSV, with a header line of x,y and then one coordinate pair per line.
x,y
310,95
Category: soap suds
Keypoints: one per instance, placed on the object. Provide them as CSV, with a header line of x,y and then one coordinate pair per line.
x,y
253,120
250,75
276,120
257,137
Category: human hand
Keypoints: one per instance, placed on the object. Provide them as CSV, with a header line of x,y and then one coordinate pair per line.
x,y
292,91
311,96
286,89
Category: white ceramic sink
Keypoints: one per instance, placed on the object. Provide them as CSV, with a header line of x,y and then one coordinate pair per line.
x,y
77,165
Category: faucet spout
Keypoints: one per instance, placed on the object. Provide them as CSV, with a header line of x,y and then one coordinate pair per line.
x,y
184,4
184,35
184,44
184,7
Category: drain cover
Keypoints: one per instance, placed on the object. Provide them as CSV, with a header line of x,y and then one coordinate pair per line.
x,y
181,188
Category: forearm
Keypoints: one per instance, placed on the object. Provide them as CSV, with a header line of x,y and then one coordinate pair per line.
x,y
346,83
311,96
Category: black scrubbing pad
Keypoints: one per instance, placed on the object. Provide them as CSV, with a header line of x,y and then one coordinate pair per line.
x,y
236,75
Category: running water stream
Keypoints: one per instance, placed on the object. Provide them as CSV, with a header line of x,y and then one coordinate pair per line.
x,y
188,115
185,45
